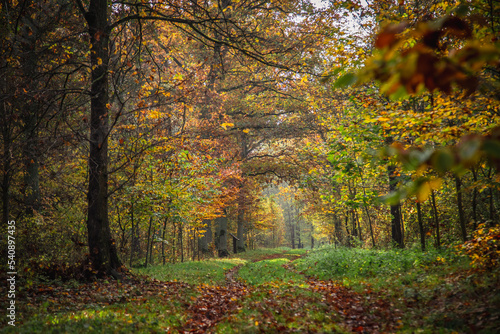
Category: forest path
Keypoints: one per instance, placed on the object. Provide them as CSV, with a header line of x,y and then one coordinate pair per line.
x,y
285,301
215,302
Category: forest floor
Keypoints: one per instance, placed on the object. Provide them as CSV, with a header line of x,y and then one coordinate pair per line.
x,y
272,291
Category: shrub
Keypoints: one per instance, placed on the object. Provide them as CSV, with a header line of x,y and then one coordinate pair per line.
x,y
484,248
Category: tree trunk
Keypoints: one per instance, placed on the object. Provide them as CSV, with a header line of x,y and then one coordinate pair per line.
x,y
348,241
396,230
173,241
135,244
32,197
370,225
338,230
151,258
7,165
206,238
474,199
421,226
101,246
461,215
181,241
163,233
222,236
492,207
240,233
29,115
436,220
149,241
360,232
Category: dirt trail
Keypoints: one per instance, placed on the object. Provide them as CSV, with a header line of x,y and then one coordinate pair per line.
x,y
361,313
214,303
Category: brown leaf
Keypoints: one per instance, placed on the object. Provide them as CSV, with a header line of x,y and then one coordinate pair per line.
x,y
388,36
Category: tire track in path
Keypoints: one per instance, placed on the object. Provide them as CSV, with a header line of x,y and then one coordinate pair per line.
x,y
363,312
216,302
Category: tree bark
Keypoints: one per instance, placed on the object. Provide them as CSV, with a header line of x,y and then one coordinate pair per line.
x,y
396,230
240,233
102,248
149,241
206,239
163,234
7,164
436,220
348,233
421,226
222,236
181,241
461,214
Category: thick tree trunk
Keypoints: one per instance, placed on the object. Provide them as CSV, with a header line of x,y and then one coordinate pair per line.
x,y
222,236
29,114
32,196
102,248
7,165
206,239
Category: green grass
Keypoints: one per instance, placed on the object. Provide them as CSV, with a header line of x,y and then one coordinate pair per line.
x,y
353,265
436,290
193,272
258,254
153,315
269,272
433,291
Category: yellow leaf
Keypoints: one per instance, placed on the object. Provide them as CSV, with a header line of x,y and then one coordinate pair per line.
x,y
225,125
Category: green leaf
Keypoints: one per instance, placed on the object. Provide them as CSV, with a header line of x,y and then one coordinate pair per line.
x,y
443,160
492,148
345,80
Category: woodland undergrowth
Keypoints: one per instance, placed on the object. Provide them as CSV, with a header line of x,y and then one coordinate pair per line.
x,y
324,290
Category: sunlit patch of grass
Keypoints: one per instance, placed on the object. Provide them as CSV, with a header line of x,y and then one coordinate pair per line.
x,y
297,251
354,264
193,272
258,254
269,272
152,315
